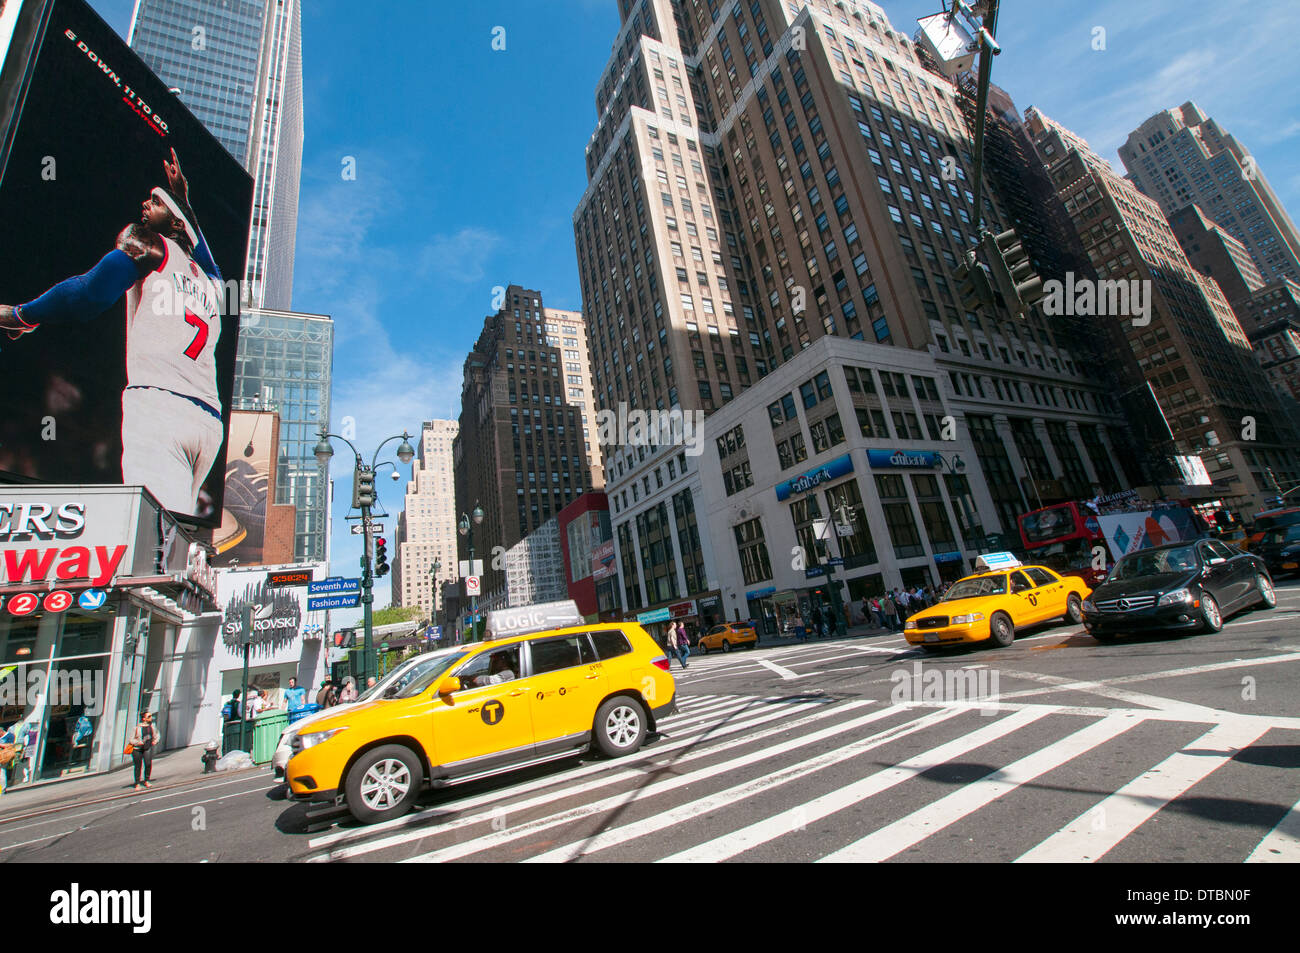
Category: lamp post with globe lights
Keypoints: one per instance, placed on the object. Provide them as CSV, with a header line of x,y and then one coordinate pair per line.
x,y
364,497
467,524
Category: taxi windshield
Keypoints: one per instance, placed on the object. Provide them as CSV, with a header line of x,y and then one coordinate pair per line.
x,y
979,586
427,669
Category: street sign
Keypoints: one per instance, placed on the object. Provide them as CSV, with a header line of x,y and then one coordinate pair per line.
x,y
466,571
472,585
835,561
359,529
345,601
813,572
333,586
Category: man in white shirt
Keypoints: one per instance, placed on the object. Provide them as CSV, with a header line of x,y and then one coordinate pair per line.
x,y
257,703
498,670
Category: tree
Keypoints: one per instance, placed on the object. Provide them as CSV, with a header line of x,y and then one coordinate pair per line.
x,y
390,614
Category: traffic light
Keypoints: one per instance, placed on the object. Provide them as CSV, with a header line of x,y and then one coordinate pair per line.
x,y
974,290
1013,274
345,638
381,556
363,488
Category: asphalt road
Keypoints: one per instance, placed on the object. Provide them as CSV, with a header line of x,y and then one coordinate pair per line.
x,y
1057,748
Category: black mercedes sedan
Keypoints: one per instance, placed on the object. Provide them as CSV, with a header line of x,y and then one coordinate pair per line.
x,y
1191,586
1280,550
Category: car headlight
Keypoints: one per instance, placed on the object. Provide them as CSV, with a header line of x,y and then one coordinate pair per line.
x,y
314,738
969,617
1089,605
909,624
1176,597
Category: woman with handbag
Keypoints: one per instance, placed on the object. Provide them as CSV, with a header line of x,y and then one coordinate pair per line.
x,y
140,747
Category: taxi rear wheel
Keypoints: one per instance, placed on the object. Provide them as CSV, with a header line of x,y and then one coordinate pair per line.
x,y
1074,609
620,726
726,646
384,784
1001,630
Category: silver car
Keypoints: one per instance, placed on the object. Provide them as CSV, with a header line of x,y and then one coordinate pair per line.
x,y
398,676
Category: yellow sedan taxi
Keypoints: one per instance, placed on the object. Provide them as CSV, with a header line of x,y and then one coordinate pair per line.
x,y
727,636
542,687
990,605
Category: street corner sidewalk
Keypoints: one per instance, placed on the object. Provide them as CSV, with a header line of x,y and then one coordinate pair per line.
x,y
858,631
174,768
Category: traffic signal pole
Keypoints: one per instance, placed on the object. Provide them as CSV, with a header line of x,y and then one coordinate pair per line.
x,y
367,597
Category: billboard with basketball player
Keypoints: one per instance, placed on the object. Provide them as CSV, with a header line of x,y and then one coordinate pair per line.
x,y
126,225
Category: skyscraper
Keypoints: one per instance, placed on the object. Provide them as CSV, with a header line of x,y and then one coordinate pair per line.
x,y
237,65
1181,156
1192,347
527,441
285,363
768,173
426,529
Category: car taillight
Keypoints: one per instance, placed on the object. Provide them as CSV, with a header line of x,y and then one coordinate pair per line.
x,y
661,662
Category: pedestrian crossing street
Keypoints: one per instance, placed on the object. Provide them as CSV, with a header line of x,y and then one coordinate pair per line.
x,y
816,777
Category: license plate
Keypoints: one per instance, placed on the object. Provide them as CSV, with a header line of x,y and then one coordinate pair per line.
x,y
932,637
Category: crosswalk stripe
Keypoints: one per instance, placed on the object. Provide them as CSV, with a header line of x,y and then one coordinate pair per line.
x,y
1282,845
1132,805
626,769
694,809
623,800
758,833
934,817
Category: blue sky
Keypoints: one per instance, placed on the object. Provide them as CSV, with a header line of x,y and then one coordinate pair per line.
x,y
470,161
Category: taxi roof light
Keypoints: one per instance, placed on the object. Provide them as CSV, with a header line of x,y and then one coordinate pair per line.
x,y
990,562
525,620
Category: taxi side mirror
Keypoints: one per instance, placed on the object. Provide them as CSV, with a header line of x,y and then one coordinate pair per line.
x,y
449,686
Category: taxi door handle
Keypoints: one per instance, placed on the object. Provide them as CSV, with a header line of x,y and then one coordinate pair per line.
x,y
522,690
591,676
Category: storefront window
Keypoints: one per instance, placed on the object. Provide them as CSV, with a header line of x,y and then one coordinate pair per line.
x,y
53,691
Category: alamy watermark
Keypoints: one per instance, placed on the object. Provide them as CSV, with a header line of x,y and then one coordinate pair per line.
x,y
24,685
626,427
921,685
1105,298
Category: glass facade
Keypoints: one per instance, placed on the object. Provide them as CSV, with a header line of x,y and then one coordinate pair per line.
x,y
285,364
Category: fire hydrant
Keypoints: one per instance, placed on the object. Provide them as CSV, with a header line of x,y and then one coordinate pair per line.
x,y
210,758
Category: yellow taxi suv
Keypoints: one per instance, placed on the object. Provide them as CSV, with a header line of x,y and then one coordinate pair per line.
x,y
728,636
543,686
999,598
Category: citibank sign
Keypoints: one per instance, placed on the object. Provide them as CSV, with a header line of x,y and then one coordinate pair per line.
x,y
909,459
813,478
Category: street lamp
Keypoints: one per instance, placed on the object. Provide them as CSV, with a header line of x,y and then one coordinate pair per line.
x,y
955,466
844,513
365,496
467,524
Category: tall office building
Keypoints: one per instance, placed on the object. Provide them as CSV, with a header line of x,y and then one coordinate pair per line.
x,y
1192,347
426,528
527,440
768,173
285,363
1181,156
237,65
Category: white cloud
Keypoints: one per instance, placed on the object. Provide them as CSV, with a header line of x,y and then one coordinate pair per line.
x,y
459,257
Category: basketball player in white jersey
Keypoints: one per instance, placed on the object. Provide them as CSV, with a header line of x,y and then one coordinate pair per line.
x,y
171,411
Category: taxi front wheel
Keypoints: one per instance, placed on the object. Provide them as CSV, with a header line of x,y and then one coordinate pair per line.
x,y
620,726
1001,630
384,784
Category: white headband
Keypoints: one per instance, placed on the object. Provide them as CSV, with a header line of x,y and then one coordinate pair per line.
x,y
175,209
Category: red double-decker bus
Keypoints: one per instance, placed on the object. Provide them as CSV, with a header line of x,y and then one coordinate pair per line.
x,y
1063,537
